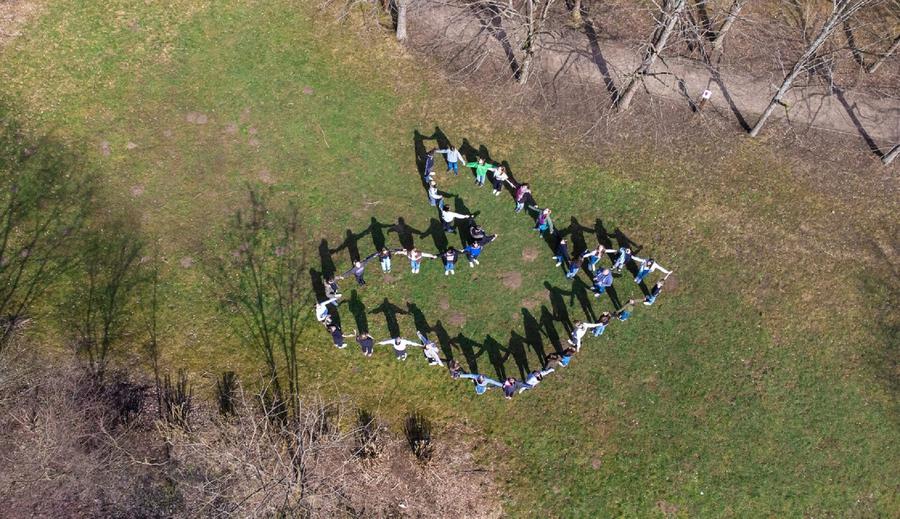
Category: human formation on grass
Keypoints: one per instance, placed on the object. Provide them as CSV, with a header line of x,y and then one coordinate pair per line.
x,y
475,239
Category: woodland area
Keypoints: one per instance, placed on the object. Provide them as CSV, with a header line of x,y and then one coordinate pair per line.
x,y
820,65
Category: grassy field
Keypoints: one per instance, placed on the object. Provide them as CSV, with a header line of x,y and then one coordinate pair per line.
x,y
764,384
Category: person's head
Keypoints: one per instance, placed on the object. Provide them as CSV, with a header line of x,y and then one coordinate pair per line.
x,y
659,284
330,279
547,211
480,379
433,183
357,263
650,262
568,352
397,341
501,169
452,148
630,302
384,250
605,317
476,245
451,250
453,365
509,381
578,323
537,374
331,327
362,335
526,186
605,272
562,241
480,160
627,250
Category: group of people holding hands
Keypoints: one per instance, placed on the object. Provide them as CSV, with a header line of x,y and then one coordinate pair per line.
x,y
590,261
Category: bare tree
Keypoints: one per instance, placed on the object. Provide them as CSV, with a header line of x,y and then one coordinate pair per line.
x,y
535,17
104,291
44,196
733,12
891,155
262,282
401,8
665,24
841,10
891,50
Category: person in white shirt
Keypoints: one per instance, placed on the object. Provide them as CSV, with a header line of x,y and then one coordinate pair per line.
x,y
580,331
499,177
454,157
322,314
447,216
399,345
646,266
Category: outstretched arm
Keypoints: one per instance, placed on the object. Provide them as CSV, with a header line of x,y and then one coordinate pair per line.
x,y
656,266
637,259
492,382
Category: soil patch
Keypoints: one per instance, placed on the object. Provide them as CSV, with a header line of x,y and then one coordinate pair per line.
x,y
512,280
530,254
444,303
196,118
457,319
137,190
186,262
266,177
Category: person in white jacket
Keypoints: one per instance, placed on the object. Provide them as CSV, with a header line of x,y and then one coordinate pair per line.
x,y
415,258
499,177
454,157
322,314
434,195
580,331
399,344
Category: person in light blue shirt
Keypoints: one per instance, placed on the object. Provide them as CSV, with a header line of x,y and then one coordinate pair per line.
x,y
604,320
482,383
623,258
602,280
454,157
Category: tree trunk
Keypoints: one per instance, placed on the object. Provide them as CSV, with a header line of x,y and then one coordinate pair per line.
x,y
528,46
874,66
671,10
840,12
891,155
732,15
401,19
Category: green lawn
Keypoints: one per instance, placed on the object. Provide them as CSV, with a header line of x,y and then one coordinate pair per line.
x,y
738,394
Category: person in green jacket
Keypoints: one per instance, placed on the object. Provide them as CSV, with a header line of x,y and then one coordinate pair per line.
x,y
481,168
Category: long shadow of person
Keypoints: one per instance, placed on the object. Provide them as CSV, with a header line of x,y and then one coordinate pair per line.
x,y
318,284
495,353
583,294
548,324
511,189
420,150
375,230
419,320
485,153
390,312
358,309
613,296
440,138
468,151
576,236
443,339
328,269
603,237
463,227
351,244
436,231
517,350
404,233
467,347
560,312
533,332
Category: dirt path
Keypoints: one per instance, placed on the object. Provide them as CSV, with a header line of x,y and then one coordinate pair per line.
x,y
576,57
13,15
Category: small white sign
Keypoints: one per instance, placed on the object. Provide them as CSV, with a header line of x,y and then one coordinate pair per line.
x,y
706,94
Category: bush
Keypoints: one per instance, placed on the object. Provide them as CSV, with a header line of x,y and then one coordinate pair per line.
x,y
418,434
